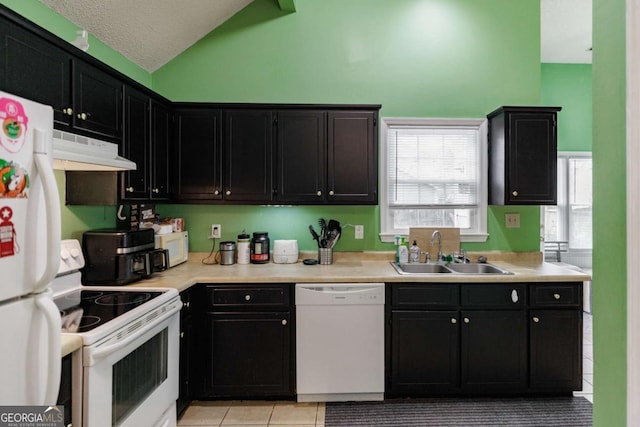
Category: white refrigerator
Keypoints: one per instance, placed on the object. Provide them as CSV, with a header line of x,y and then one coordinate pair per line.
x,y
30,331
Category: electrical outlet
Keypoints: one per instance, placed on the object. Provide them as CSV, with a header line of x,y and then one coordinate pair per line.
x,y
512,220
359,231
216,231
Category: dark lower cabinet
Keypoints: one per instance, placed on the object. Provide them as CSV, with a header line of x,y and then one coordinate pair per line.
x,y
64,392
246,348
489,338
187,340
493,351
425,352
555,350
250,354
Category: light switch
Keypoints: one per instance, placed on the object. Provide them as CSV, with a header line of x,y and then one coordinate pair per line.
x,y
512,220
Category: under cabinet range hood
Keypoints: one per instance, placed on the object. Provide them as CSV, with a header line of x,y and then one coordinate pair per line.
x,y
73,152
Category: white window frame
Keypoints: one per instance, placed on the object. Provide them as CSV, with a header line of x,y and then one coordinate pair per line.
x,y
564,182
387,233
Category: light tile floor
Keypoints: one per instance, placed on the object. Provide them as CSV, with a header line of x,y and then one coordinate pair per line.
x,y
292,414
254,413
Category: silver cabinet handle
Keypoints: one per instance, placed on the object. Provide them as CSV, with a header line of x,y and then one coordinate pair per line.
x,y
466,320
228,193
284,322
515,193
536,319
331,193
514,296
319,193
129,189
181,334
247,297
155,190
83,116
215,193
454,321
186,304
556,296
68,111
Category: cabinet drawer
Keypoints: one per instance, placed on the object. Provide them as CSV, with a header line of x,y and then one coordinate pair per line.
x,y
556,294
493,295
425,295
259,296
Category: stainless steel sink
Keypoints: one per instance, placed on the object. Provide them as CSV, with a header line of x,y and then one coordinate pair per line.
x,y
477,269
419,269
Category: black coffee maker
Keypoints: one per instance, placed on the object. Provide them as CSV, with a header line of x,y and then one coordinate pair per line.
x,y
117,257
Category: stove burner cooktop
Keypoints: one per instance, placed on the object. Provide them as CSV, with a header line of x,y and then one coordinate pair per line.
x,y
84,310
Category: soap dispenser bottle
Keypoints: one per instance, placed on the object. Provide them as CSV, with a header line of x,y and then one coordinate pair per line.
x,y
414,252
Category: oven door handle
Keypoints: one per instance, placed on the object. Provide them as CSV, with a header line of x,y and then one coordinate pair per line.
x,y
102,352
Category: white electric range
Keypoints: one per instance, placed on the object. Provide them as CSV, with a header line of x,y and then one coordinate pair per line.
x,y
127,371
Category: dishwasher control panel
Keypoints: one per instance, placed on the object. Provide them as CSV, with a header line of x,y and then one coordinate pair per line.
x,y
339,293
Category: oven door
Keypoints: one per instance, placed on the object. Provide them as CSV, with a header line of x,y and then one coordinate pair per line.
x,y
132,380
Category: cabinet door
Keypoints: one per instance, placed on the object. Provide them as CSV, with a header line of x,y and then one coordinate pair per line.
x,y
352,162
248,136
493,351
160,135
424,352
301,144
186,341
97,101
198,160
35,69
136,144
556,350
532,158
250,354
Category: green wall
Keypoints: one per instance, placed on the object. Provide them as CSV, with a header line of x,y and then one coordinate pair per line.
x,y
609,213
569,86
424,58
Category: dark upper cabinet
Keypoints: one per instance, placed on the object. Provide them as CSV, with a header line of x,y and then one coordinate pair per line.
x,y
146,142
302,156
85,98
352,164
135,144
160,150
327,157
97,101
248,155
523,156
198,155
33,68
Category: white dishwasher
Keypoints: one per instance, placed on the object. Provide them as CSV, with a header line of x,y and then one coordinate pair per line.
x,y
339,341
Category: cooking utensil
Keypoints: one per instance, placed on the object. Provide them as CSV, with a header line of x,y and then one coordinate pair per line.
x,y
314,234
323,228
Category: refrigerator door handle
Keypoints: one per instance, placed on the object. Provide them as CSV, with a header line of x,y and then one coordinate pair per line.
x,y
52,315
52,205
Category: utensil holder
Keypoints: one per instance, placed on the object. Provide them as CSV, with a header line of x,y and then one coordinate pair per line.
x,y
325,256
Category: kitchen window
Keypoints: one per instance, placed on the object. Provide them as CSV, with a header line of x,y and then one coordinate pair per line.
x,y
434,175
567,226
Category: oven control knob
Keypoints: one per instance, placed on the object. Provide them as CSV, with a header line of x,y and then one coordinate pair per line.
x,y
75,253
64,254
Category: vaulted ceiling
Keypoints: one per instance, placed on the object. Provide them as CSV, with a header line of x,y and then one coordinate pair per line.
x,y
150,34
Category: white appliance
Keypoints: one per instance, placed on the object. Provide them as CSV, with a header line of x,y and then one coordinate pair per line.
x,y
177,243
285,251
127,371
80,153
339,341
29,248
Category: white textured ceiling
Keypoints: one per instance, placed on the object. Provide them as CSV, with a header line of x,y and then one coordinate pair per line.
x,y
565,28
148,32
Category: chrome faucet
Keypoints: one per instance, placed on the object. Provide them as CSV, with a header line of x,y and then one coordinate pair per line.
x,y
433,238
